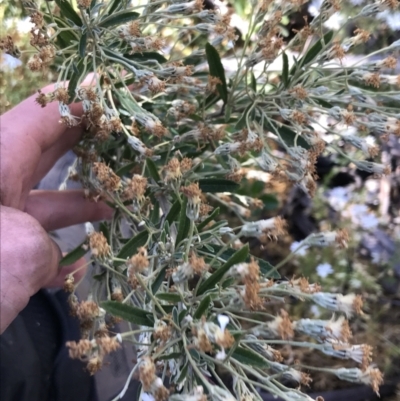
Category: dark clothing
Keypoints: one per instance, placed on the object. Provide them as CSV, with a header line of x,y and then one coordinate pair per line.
x,y
34,362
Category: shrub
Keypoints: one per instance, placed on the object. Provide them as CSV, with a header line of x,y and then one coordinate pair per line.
x,y
178,110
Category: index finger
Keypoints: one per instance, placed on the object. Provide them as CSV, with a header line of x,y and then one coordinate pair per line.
x,y
41,124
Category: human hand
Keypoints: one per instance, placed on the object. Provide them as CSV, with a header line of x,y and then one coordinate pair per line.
x,y
32,140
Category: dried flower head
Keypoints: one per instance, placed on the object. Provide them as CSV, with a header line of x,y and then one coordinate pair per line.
x,y
193,193
99,245
138,262
106,177
147,372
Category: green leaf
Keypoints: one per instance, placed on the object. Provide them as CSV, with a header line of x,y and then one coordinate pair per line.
x,y
203,307
82,45
73,82
67,10
184,223
106,232
171,355
175,315
173,212
285,70
100,276
131,247
129,313
125,169
249,358
323,102
195,354
182,314
217,70
213,185
242,120
118,19
155,213
146,56
73,256
266,269
211,217
183,375
114,6
64,38
316,48
253,82
169,297
238,257
158,281
152,170
286,134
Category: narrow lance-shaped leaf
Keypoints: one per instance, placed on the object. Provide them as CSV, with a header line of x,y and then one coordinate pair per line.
x,y
238,257
159,280
217,70
285,70
131,247
146,56
242,120
129,313
73,82
184,223
203,307
152,170
213,185
249,358
173,212
69,12
316,48
266,269
169,297
211,217
118,19
126,169
73,256
286,134
82,45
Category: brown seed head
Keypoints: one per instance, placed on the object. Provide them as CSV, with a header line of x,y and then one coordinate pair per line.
x,y
99,245
107,344
192,192
84,3
372,79
198,265
106,176
212,84
147,373
135,188
80,349
173,170
134,28
138,262
94,365
69,283
37,18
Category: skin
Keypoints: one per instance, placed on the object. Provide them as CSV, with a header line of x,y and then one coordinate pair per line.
x,y
31,141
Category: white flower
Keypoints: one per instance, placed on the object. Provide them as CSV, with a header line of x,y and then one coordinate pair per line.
x,y
302,251
223,321
147,397
324,269
89,228
338,197
220,355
